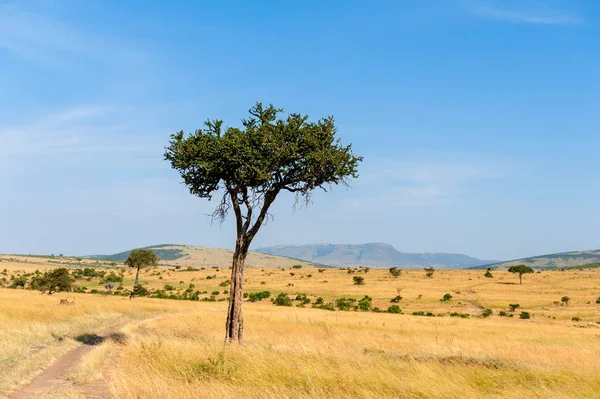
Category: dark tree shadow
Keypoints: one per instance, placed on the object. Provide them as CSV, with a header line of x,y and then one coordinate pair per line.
x,y
90,339
506,283
94,339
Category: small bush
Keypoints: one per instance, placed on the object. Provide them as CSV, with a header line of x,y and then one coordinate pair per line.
x,y
282,300
396,299
487,313
504,314
575,319
225,283
365,303
344,303
565,300
319,301
321,270
358,280
524,315
215,293
514,306
395,272
446,298
297,267
489,274
598,300
394,309
169,287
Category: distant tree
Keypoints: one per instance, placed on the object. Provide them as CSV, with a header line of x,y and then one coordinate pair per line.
x,y
55,281
140,259
358,280
395,272
488,274
565,300
429,271
250,166
514,306
520,270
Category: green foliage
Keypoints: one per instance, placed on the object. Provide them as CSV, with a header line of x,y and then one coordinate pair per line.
x,y
266,155
358,280
303,299
365,303
297,267
344,304
259,296
215,293
514,306
396,299
319,301
446,298
520,270
461,315
598,300
56,280
169,287
282,300
141,258
565,300
394,309
487,313
422,313
488,274
504,314
524,315
395,272
225,283
140,290
575,319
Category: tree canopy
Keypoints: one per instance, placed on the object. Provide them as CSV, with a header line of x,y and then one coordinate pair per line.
x,y
520,270
252,164
141,258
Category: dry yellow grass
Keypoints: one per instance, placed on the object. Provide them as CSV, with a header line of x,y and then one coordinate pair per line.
x,y
175,348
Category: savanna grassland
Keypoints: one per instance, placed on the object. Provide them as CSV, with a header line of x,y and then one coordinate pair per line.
x,y
432,349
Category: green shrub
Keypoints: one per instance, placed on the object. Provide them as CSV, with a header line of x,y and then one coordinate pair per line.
x,y
319,301
461,315
259,296
225,283
303,299
488,274
395,272
215,293
486,313
514,306
344,303
297,267
282,300
575,319
169,287
358,280
365,303
598,300
394,309
524,315
421,313
446,298
396,299
321,270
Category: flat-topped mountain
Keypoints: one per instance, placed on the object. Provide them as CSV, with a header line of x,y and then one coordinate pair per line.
x,y
371,255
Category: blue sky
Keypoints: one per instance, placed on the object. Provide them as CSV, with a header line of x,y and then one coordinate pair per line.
x,y
478,120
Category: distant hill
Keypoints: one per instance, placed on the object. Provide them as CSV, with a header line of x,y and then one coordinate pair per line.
x,y
187,255
372,255
552,261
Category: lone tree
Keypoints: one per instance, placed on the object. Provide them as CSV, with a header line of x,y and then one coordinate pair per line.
x,y
248,167
429,271
139,259
55,281
520,270
358,280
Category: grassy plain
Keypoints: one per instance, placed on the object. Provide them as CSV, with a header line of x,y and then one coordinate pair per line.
x,y
174,348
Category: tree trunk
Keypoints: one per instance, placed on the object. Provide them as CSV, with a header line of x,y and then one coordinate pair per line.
x,y
235,322
137,277
520,279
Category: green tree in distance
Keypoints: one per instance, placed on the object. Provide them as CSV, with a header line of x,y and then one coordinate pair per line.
x,y
248,167
520,270
139,259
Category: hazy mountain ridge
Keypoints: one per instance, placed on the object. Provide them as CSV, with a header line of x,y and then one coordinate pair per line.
x,y
372,255
551,261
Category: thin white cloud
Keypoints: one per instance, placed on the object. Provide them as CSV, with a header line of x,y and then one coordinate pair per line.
x,y
417,183
41,39
526,12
